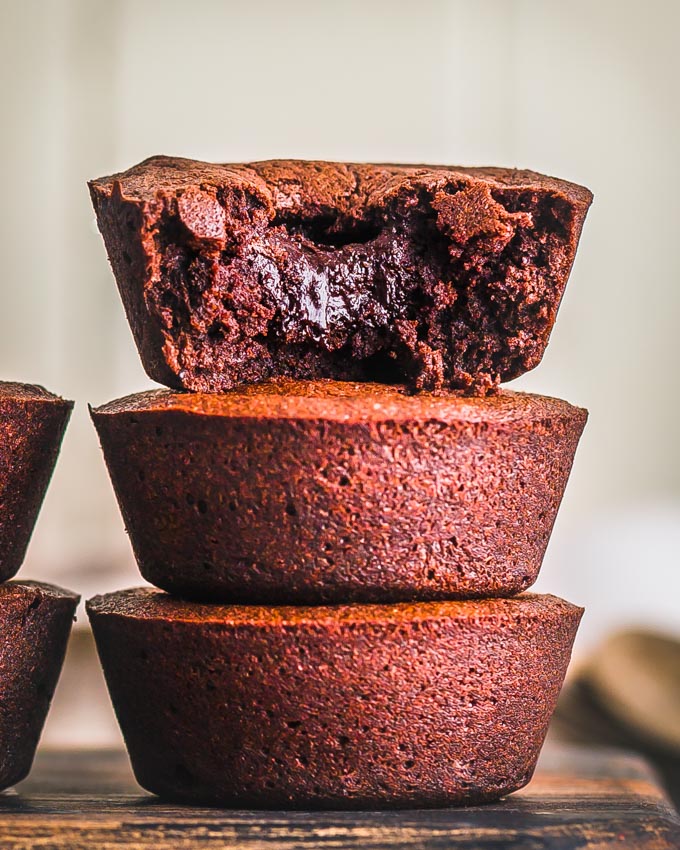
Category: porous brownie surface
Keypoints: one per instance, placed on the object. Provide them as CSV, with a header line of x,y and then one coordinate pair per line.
x,y
15,391
308,492
431,275
32,424
35,622
417,704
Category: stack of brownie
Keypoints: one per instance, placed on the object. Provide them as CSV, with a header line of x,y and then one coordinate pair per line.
x,y
35,618
338,503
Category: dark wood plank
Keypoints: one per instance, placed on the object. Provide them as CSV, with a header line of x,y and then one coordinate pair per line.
x,y
578,799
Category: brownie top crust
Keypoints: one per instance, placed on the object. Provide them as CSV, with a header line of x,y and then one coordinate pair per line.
x,y
28,392
146,603
346,401
431,275
304,185
13,592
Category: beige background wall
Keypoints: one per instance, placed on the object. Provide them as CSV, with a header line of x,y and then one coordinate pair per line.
x,y
585,90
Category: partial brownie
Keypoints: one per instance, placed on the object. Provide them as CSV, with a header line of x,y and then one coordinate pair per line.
x,y
430,275
307,492
440,703
32,424
35,622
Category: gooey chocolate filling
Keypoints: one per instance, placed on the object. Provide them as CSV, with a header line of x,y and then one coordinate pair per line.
x,y
439,287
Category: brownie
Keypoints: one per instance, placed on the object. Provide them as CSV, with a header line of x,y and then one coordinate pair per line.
x,y
32,424
429,275
35,622
434,703
307,492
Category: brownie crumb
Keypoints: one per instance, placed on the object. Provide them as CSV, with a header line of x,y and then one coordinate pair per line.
x,y
433,276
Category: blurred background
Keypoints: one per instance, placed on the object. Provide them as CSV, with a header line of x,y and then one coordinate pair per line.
x,y
586,91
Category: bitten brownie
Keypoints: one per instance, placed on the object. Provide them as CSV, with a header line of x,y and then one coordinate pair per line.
x,y
306,492
35,622
423,704
32,424
430,275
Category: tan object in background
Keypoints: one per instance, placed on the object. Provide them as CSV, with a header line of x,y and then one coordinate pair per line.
x,y
626,695
636,678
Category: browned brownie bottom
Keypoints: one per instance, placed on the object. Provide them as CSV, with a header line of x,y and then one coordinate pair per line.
x,y
35,622
32,424
305,492
441,703
431,275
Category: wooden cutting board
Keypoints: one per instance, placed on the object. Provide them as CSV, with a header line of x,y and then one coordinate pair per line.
x,y
578,799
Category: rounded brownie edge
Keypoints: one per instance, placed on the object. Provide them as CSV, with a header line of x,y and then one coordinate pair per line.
x,y
32,426
325,492
35,622
312,710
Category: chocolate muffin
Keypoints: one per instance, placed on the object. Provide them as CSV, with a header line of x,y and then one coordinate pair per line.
x,y
435,703
307,492
35,622
430,275
32,424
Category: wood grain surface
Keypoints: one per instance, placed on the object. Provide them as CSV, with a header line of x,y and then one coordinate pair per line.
x,y
578,799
